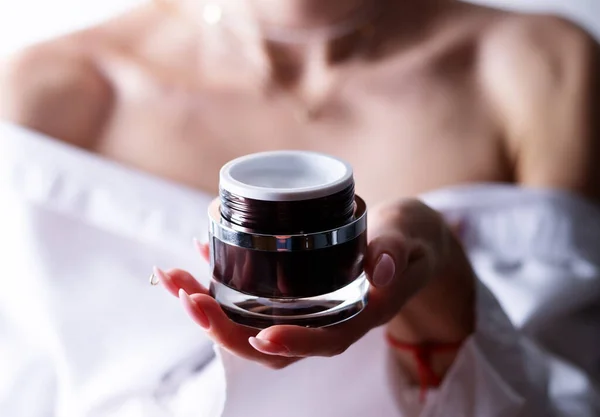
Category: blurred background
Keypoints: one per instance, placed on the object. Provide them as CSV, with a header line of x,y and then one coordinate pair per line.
x,y
28,21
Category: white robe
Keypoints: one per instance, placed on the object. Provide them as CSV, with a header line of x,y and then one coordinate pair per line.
x,y
82,333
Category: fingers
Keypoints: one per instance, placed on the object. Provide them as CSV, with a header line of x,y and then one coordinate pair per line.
x,y
300,342
270,348
387,258
202,249
390,265
397,264
176,279
207,313
195,312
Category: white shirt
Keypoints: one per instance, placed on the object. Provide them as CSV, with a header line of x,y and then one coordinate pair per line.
x,y
83,334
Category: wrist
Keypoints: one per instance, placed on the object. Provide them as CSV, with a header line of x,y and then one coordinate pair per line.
x,y
441,314
424,364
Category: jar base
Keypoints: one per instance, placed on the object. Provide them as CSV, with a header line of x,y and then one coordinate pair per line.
x,y
320,311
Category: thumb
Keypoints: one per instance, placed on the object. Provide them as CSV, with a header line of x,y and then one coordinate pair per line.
x,y
387,257
397,268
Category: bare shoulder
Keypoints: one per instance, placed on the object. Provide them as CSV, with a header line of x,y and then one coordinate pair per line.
x,y
511,26
542,77
551,44
56,88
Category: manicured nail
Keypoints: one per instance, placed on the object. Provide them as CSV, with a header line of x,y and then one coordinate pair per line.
x,y
194,309
384,271
268,347
158,275
201,248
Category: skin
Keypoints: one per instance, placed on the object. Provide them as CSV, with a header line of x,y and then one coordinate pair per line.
x,y
444,93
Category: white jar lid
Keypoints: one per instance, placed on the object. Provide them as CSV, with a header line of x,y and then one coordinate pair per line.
x,y
285,176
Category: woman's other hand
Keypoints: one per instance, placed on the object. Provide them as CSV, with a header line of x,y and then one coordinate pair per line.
x,y
421,283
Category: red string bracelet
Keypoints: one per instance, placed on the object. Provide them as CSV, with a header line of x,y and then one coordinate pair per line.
x,y
422,354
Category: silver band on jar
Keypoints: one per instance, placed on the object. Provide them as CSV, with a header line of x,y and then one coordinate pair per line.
x,y
232,234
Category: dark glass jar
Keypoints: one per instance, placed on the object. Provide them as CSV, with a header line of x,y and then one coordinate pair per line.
x,y
288,240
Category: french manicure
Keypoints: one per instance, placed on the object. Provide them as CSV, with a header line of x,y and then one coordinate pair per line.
x,y
194,309
268,347
384,271
201,248
158,275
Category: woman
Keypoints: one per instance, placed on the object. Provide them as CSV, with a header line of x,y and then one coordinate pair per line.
x,y
417,96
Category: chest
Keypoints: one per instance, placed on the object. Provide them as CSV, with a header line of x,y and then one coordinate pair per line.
x,y
403,136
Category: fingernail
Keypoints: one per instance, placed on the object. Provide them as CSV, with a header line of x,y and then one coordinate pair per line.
x,y
268,347
160,275
201,248
384,270
197,312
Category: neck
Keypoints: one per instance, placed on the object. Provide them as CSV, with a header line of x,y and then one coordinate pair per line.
x,y
293,39
299,22
308,14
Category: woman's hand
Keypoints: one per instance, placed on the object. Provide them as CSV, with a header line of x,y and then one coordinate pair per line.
x,y
421,283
